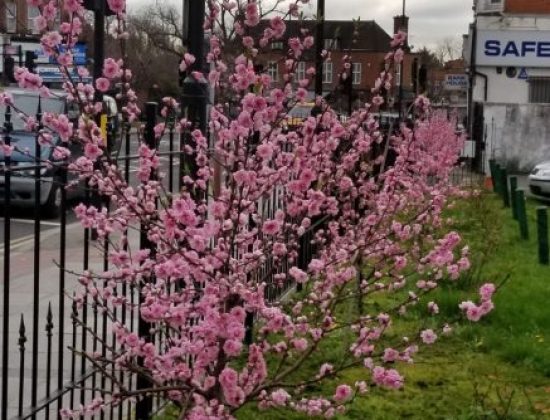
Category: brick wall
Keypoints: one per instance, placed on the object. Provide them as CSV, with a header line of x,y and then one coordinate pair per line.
x,y
21,18
527,6
372,64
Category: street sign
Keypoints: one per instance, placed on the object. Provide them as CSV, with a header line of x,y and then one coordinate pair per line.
x,y
456,81
52,74
513,48
523,74
80,54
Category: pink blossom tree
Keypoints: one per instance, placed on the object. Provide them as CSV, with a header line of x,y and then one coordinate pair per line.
x,y
379,236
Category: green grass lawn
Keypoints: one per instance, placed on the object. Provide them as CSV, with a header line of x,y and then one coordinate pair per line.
x,y
497,369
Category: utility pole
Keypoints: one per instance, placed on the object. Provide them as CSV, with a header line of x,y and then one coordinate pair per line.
x,y
195,91
402,66
99,7
99,45
319,44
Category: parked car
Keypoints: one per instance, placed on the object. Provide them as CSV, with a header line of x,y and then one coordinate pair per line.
x,y
22,185
27,102
297,115
23,181
539,179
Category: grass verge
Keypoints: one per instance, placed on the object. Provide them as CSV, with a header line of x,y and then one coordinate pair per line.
x,y
497,369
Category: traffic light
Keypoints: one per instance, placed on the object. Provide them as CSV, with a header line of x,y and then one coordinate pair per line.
x,y
181,77
423,78
414,75
30,56
346,83
9,69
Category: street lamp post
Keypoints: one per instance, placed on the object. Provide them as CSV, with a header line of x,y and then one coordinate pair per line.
x,y
195,90
319,44
402,66
100,9
99,45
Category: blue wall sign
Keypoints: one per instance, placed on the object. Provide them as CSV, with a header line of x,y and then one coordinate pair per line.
x,y
513,48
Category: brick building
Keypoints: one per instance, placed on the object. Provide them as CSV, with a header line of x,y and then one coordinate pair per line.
x,y
17,32
17,18
365,41
527,6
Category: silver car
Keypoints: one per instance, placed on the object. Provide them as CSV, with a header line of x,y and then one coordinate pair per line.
x,y
539,180
22,181
22,185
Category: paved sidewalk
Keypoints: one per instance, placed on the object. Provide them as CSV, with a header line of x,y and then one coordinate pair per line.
x,y
21,293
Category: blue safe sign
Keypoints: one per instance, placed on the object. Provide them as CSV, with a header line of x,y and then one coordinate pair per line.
x,y
513,48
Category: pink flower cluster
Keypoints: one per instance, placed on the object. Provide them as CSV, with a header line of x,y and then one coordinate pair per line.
x,y
475,312
388,378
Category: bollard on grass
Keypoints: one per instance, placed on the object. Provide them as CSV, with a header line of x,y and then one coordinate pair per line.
x,y
542,231
522,214
497,179
513,188
492,168
504,187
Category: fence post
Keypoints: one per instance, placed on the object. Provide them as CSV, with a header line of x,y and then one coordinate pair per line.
x,y
36,255
144,406
492,168
497,179
513,188
522,214
504,187
542,231
7,239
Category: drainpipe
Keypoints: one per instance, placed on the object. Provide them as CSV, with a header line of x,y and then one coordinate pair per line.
x,y
472,74
486,88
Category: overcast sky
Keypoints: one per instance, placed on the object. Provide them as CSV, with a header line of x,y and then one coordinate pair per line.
x,y
431,21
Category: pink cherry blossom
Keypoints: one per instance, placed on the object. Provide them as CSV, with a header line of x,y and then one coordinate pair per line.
x,y
103,84
428,336
343,392
117,6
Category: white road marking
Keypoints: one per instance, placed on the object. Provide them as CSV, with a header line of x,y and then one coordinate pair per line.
x,y
28,239
31,222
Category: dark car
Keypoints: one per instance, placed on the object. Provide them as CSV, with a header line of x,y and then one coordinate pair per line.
x,y
22,185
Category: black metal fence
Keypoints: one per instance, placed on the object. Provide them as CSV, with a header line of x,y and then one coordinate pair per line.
x,y
46,324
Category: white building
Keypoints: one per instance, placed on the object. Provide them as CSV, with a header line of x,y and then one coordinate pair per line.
x,y
508,52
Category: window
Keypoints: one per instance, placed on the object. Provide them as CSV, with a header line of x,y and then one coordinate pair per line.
x,y
273,70
398,75
327,72
301,71
330,44
277,45
356,73
539,90
11,17
33,12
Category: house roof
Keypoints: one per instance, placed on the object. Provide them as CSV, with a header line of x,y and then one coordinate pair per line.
x,y
369,36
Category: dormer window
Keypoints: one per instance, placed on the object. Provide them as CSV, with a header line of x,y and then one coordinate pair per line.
x,y
330,44
489,6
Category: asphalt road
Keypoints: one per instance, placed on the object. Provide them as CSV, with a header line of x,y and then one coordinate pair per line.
x,y
22,219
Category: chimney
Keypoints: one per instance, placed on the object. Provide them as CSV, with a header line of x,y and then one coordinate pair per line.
x,y
401,23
